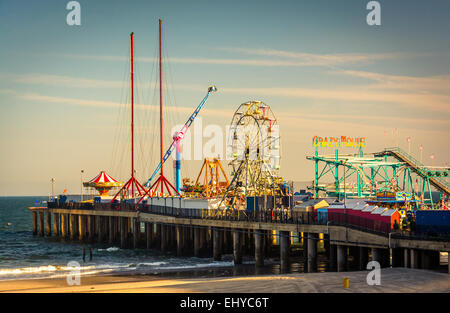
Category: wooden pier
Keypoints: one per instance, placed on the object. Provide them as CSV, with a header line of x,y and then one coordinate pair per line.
x,y
205,236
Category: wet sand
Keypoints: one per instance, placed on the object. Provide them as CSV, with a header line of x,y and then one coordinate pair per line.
x,y
392,280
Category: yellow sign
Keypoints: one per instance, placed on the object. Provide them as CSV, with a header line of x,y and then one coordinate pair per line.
x,y
342,141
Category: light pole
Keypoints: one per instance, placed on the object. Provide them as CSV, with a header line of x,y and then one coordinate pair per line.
x,y
53,188
81,180
432,159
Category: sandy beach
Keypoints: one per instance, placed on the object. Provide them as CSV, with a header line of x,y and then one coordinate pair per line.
x,y
401,280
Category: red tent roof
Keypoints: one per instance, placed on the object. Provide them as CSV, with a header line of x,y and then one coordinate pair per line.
x,y
103,177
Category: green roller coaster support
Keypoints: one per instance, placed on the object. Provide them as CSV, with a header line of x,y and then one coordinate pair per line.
x,y
336,172
378,173
316,179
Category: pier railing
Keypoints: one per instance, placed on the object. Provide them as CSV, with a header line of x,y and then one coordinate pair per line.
x,y
268,216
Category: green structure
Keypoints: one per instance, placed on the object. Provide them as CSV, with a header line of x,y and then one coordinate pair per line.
x,y
364,175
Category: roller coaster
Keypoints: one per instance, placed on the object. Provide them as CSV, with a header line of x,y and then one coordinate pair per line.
x,y
389,170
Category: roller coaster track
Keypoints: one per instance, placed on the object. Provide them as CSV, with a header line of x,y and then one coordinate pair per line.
x,y
417,167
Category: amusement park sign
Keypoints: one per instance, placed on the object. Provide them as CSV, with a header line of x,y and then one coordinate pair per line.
x,y
342,141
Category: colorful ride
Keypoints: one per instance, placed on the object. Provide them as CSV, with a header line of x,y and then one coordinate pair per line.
x,y
103,183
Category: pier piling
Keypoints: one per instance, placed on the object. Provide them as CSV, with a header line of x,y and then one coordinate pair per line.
x,y
111,230
414,258
64,225
333,257
35,222
123,232
163,236
376,255
237,247
397,257
363,258
48,223
55,224
148,234
284,251
268,242
41,223
312,252
90,228
180,237
341,258
71,226
259,248
217,246
136,232
406,258
82,227
99,229
197,242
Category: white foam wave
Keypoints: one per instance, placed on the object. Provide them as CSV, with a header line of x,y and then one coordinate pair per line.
x,y
110,249
197,266
59,271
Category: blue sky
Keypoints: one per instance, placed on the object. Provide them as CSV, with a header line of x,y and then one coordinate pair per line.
x,y
321,68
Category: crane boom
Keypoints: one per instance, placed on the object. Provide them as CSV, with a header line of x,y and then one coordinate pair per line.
x,y
181,133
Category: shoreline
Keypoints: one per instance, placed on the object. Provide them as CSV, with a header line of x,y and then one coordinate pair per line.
x,y
393,280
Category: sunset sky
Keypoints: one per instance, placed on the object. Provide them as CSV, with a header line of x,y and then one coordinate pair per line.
x,y
64,90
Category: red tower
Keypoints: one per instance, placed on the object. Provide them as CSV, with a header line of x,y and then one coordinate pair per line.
x,y
132,184
162,180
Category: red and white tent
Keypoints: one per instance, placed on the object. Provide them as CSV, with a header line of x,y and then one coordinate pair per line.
x,y
103,177
103,183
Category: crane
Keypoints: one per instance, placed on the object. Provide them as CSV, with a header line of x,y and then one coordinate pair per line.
x,y
180,136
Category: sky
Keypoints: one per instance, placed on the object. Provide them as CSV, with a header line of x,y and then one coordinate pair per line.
x,y
65,95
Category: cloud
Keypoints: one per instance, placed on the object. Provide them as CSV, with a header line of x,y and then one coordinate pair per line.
x,y
311,59
284,58
435,102
422,93
419,84
60,80
8,92
389,120
362,95
110,104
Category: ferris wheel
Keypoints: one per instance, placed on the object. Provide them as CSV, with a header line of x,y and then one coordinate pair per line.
x,y
253,148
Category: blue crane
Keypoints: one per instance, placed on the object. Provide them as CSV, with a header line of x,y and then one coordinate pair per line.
x,y
177,139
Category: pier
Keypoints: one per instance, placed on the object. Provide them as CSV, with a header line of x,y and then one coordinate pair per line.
x,y
198,232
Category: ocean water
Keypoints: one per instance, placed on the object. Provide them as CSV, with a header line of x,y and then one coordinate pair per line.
x,y
23,255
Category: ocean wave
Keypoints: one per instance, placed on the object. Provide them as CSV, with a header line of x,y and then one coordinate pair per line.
x,y
197,266
55,271
60,271
110,249
151,264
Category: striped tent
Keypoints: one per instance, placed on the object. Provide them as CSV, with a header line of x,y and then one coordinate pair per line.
x,y
103,183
